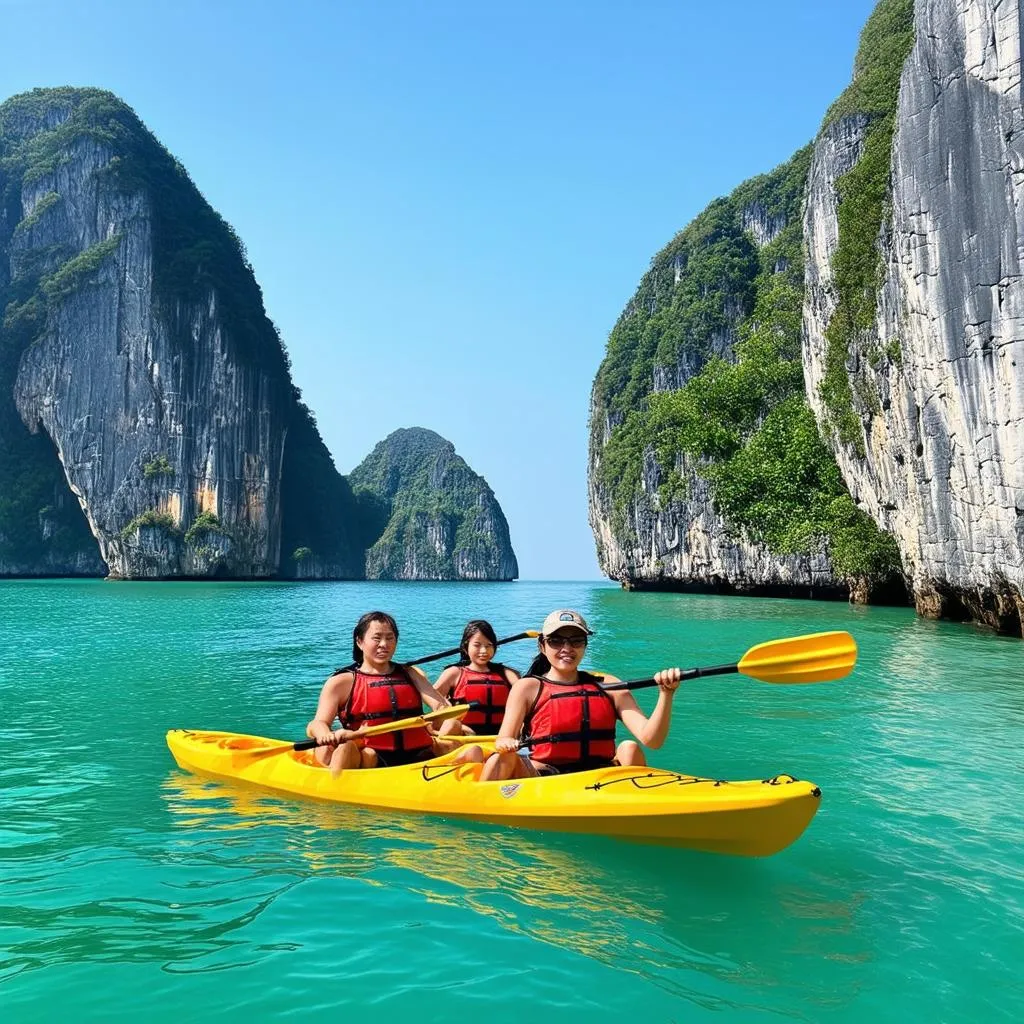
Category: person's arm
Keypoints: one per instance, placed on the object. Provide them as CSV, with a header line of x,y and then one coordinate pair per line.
x,y
333,695
512,675
651,732
446,680
433,699
520,700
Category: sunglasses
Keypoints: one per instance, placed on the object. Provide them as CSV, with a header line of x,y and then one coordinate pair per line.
x,y
577,643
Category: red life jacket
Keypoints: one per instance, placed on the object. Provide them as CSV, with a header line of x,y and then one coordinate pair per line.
x,y
572,722
488,690
376,699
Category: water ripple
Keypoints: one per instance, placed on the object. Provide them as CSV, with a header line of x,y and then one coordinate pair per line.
x,y
125,882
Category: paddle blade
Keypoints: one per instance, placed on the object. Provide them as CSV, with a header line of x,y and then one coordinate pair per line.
x,y
814,658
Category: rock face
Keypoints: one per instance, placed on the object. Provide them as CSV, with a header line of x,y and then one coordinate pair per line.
x,y
435,518
167,406
148,423
686,545
700,473
934,449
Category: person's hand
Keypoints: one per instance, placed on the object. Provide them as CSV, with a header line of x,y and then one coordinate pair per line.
x,y
506,745
322,734
668,679
347,735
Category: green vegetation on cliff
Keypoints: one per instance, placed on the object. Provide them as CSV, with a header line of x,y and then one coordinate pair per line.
x,y
433,510
885,44
153,518
722,317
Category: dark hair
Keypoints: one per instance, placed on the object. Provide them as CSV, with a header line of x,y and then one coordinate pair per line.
x,y
473,627
539,666
363,625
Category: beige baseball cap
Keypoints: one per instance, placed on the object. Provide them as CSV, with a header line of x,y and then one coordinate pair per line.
x,y
565,618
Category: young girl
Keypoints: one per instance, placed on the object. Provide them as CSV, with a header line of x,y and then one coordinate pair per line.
x,y
375,692
476,679
571,720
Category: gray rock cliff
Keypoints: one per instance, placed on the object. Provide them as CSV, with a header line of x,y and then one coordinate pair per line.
x,y
149,427
935,451
167,415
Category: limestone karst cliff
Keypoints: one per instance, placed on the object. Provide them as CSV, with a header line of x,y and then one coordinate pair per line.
x,y
149,426
909,318
439,519
915,367
143,350
706,469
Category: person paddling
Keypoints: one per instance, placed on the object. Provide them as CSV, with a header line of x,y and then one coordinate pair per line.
x,y
477,681
373,691
570,719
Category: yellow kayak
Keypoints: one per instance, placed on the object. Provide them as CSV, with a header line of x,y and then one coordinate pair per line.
x,y
647,805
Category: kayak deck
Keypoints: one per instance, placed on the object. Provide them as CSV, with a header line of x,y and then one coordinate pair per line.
x,y
650,805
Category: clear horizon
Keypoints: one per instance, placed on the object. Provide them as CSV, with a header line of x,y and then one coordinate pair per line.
x,y
473,192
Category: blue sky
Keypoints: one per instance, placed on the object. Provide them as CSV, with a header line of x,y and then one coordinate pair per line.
x,y
447,205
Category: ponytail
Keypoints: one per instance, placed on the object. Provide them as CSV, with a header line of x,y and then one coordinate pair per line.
x,y
539,666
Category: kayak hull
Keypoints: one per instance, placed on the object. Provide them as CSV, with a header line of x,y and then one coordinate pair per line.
x,y
648,805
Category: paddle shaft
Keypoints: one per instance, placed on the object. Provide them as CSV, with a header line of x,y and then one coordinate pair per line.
x,y
690,673
458,650
415,722
309,745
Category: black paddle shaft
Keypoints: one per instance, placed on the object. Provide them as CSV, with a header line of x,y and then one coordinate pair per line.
x,y
690,673
458,650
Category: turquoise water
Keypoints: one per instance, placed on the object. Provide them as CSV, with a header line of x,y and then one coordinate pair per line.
x,y
125,883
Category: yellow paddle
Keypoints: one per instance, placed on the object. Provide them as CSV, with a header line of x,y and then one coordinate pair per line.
x,y
464,740
441,715
812,658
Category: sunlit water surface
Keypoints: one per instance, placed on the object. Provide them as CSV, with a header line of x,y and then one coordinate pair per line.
x,y
128,887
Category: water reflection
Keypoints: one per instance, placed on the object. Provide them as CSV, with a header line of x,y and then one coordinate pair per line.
x,y
679,919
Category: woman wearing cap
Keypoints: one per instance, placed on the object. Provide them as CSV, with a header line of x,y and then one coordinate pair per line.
x,y
569,717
